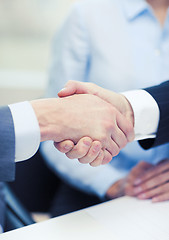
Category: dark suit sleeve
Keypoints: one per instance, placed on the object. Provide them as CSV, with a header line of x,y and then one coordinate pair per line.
x,y
7,145
161,94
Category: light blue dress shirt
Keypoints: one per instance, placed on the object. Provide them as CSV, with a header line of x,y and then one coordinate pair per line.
x,y
119,45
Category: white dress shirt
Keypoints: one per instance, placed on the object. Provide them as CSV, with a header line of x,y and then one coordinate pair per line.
x,y
27,131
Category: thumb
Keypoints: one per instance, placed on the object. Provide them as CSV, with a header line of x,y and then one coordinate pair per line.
x,y
72,87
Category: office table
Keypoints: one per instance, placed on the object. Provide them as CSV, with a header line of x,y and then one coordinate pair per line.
x,y
123,218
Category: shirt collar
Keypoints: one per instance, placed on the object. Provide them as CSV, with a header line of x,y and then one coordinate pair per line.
x,y
134,8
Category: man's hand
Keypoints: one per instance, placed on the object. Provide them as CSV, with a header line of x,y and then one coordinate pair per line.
x,y
154,183
139,170
145,181
86,151
116,99
78,116
125,186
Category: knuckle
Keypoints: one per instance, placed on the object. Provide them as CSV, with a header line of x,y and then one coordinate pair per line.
x,y
103,139
112,126
77,152
160,179
70,156
115,151
83,160
97,144
145,186
108,125
80,151
128,129
107,158
60,147
93,164
123,143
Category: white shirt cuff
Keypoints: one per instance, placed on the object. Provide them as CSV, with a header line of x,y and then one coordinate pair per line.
x,y
146,113
27,130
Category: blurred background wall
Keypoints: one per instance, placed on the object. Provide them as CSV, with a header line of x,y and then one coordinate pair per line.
x,y
26,31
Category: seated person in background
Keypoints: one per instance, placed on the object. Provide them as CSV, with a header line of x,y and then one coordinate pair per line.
x,y
119,45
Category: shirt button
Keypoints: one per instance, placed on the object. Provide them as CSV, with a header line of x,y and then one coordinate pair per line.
x,y
157,52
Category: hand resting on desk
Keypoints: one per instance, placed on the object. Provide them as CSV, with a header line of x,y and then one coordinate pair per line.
x,y
145,181
153,183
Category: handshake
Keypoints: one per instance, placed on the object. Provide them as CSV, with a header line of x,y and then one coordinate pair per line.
x,y
86,122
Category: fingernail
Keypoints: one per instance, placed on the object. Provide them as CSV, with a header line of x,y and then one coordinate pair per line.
x,y
96,148
137,181
87,143
67,147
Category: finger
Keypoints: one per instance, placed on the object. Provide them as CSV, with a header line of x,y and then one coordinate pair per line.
x,y
155,192
153,172
72,87
141,165
98,160
126,127
153,182
129,189
116,190
80,149
107,157
119,137
163,161
64,146
161,198
112,148
138,170
92,153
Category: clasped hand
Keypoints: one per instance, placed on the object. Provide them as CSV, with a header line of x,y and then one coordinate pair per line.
x,y
102,120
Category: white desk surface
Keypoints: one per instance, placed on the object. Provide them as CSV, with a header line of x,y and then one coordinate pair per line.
x,y
125,218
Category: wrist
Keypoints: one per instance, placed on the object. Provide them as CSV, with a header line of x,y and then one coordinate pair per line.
x,y
47,113
127,109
